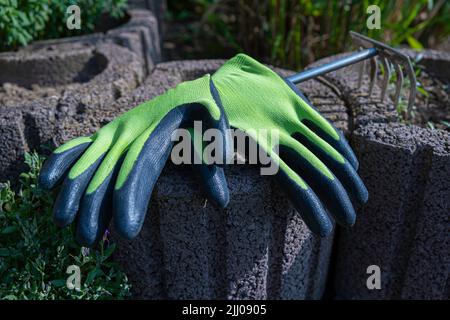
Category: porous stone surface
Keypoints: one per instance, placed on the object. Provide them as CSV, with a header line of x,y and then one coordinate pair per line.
x,y
139,34
39,109
257,248
404,227
157,7
53,90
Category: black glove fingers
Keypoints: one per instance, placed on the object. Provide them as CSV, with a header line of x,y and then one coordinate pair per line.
x,y
95,211
131,199
57,165
306,203
345,172
212,177
68,200
330,191
226,152
214,183
340,145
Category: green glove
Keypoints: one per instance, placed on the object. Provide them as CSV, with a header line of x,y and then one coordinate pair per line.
x,y
315,161
124,159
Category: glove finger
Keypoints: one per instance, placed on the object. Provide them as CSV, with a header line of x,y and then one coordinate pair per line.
x,y
304,199
74,185
96,210
225,151
141,168
214,183
341,144
320,178
323,128
339,165
68,200
212,177
56,166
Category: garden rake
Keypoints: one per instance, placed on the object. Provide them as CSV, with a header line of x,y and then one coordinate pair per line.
x,y
373,50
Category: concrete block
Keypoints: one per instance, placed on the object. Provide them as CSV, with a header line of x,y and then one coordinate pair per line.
x,y
47,93
139,33
404,227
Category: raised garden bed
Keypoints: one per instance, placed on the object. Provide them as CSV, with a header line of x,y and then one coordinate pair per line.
x,y
46,87
404,227
44,93
139,33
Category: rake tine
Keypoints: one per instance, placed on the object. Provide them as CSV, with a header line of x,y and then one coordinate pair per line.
x,y
398,84
413,82
369,49
386,77
373,74
362,66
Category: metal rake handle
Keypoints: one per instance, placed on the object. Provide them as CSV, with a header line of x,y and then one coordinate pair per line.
x,y
370,49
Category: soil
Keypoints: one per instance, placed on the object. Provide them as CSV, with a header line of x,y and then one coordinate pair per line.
x,y
433,108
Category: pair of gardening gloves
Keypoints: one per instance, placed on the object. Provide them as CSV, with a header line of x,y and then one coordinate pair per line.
x,y
112,173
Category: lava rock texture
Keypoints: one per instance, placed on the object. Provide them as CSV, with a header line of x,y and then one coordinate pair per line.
x,y
404,228
55,90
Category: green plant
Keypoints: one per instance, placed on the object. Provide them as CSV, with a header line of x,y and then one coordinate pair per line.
x,y
35,254
296,33
22,21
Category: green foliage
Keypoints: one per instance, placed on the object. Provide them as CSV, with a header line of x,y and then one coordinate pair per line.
x,y
22,21
296,33
35,254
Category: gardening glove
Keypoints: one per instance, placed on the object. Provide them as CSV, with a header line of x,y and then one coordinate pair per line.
x,y
316,164
123,160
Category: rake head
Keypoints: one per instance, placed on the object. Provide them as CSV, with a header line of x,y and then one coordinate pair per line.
x,y
391,60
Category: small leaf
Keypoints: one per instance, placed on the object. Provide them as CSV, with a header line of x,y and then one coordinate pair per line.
x,y
58,283
422,91
91,276
414,43
445,123
109,251
9,230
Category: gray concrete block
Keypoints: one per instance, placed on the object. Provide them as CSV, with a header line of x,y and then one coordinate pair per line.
x,y
139,33
42,103
13,143
157,7
257,248
404,227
